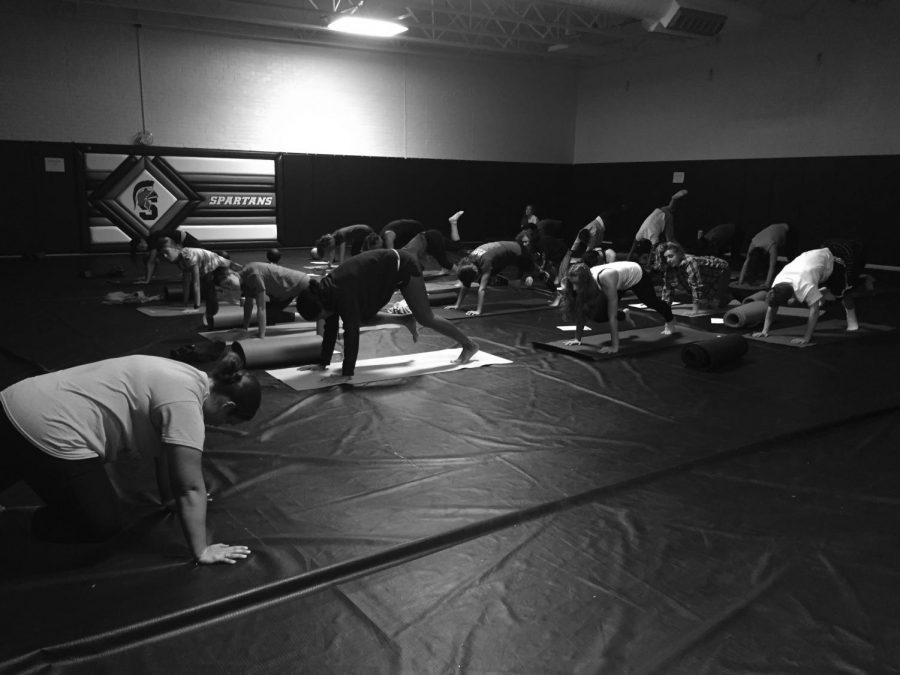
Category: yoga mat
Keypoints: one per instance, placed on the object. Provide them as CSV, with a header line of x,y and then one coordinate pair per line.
x,y
709,354
444,297
233,334
168,310
827,332
280,351
746,315
496,303
386,368
232,316
631,342
296,328
174,292
687,312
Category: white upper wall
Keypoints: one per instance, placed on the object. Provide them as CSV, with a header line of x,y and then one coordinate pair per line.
x,y
765,97
66,80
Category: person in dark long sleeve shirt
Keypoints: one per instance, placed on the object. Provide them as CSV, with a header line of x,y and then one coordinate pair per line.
x,y
356,292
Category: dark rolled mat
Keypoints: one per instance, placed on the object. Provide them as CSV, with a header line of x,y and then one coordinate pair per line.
x,y
279,352
743,291
443,297
759,296
232,316
746,315
174,292
709,354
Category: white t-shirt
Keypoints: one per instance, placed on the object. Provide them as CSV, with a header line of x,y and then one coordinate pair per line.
x,y
806,273
629,273
132,403
652,227
205,261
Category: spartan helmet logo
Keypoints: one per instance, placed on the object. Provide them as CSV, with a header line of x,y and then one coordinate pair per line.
x,y
145,200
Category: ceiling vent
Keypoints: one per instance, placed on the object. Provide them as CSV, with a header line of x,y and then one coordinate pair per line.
x,y
687,22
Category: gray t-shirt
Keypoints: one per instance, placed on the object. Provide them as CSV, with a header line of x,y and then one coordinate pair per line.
x,y
132,403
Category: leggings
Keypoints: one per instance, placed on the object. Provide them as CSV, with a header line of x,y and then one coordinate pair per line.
x,y
81,504
644,291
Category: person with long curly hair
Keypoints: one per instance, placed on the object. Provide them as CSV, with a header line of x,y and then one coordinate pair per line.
x,y
592,294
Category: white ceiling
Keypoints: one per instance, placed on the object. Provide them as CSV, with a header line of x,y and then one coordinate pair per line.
x,y
553,31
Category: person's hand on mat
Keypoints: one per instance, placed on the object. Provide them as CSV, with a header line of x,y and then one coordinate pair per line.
x,y
761,334
142,281
451,307
473,312
608,350
572,343
222,553
528,282
799,341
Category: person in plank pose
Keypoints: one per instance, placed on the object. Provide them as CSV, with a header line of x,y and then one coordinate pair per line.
x,y
592,294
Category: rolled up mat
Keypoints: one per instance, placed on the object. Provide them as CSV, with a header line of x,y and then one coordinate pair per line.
x,y
759,296
174,292
709,354
232,316
745,316
445,297
279,352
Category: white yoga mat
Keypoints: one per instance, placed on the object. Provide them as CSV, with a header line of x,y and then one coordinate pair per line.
x,y
385,368
284,329
169,310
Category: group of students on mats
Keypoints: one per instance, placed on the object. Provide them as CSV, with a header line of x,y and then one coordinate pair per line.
x,y
59,429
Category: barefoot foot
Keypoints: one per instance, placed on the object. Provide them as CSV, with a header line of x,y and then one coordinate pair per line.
x,y
467,352
412,326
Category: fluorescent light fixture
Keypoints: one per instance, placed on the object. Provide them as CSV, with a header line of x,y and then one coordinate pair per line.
x,y
370,27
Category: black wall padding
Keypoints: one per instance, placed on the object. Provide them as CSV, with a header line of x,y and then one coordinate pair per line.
x,y
746,315
709,354
278,352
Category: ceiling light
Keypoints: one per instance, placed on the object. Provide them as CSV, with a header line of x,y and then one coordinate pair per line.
x,y
371,27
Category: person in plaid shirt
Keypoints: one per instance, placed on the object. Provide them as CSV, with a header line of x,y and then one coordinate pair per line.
x,y
706,277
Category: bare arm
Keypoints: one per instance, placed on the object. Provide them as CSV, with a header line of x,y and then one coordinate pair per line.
x,y
151,263
767,322
563,268
744,267
482,290
248,311
260,314
195,282
773,260
579,331
343,252
459,298
811,322
186,478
